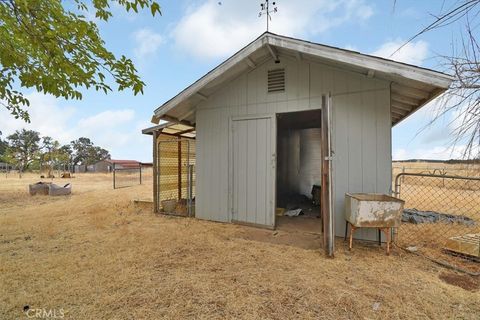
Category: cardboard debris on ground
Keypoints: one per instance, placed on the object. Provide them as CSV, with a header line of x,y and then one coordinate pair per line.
x,y
468,244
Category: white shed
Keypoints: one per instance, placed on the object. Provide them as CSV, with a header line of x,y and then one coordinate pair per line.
x,y
269,118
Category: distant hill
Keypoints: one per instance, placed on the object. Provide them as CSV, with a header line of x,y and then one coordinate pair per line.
x,y
451,161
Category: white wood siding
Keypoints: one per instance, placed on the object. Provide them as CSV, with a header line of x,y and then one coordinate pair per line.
x,y
361,130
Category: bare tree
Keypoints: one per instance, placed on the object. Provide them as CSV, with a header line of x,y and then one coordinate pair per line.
x,y
463,97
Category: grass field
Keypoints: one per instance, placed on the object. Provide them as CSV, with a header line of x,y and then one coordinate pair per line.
x,y
94,255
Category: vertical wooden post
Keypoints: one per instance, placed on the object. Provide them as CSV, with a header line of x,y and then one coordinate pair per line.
x,y
327,201
114,176
155,172
179,168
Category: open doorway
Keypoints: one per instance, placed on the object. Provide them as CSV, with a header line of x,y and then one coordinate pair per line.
x,y
299,163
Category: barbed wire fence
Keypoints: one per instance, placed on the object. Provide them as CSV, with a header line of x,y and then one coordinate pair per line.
x,y
441,219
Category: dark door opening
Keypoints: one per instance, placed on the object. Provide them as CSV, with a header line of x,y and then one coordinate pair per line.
x,y
299,176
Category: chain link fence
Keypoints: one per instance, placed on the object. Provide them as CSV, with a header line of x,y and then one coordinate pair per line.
x,y
126,177
441,219
176,177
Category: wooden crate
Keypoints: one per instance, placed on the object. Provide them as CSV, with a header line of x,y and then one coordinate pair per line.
x,y
468,244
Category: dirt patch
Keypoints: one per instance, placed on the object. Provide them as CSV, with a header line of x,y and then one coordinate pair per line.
x,y
303,240
463,281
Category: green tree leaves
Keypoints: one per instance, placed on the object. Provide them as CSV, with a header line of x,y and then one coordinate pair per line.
x,y
57,51
86,153
26,149
23,147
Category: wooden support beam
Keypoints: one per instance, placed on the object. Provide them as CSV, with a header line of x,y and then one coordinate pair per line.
x,y
185,131
250,62
175,135
402,106
175,120
326,201
201,96
179,169
156,179
155,119
273,52
186,115
409,91
397,112
299,55
406,100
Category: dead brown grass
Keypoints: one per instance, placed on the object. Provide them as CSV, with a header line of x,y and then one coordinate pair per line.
x,y
96,256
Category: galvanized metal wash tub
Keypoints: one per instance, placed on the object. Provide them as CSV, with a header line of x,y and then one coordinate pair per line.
x,y
370,210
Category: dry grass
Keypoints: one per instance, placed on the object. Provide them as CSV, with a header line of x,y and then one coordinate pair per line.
x,y
96,256
468,170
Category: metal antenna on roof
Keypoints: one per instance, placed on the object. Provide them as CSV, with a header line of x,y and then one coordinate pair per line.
x,y
265,10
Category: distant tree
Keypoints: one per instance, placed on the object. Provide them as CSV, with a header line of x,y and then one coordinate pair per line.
x,y
3,148
23,147
67,152
98,154
54,156
51,45
45,149
86,153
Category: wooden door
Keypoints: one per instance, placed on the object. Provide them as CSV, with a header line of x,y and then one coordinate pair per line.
x,y
252,170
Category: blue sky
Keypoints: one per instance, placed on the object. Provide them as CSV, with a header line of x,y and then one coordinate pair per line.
x,y
191,37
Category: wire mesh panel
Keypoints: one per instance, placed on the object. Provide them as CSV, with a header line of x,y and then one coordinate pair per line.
x,y
176,177
441,219
126,177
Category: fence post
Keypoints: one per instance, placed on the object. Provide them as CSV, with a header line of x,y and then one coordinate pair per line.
x,y
140,173
113,175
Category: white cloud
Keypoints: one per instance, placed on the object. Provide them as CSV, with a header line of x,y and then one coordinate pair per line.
x,y
46,116
413,52
116,130
209,30
147,42
115,118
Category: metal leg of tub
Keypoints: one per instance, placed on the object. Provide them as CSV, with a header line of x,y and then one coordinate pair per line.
x,y
387,232
346,230
352,230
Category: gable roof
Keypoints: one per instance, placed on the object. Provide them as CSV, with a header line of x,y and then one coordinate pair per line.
x,y
123,162
411,86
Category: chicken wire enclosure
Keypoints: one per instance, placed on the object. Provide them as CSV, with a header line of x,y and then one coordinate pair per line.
x,y
176,177
441,218
126,177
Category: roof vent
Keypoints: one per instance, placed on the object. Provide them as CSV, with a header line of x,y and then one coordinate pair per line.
x,y
276,80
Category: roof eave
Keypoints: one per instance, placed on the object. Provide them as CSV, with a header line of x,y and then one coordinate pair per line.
x,y
440,81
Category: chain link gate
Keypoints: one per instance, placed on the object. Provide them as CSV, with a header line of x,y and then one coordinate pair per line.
x,y
176,177
126,177
441,219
